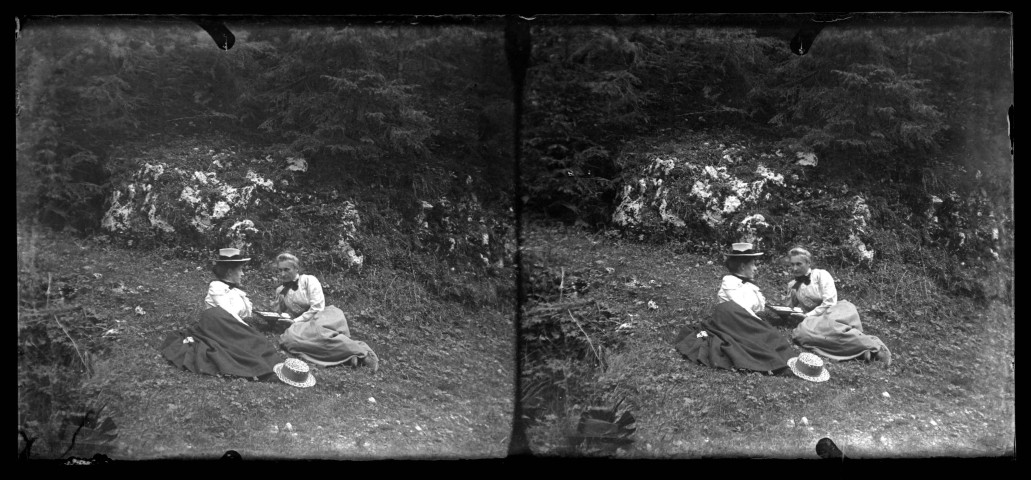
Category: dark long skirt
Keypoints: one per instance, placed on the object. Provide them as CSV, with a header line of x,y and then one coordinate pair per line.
x,y
735,339
221,346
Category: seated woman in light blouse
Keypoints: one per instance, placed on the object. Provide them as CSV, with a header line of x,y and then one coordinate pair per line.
x,y
736,336
739,287
319,333
829,327
222,342
225,291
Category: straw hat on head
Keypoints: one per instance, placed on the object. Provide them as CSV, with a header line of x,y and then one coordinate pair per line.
x,y
231,256
809,367
294,372
743,250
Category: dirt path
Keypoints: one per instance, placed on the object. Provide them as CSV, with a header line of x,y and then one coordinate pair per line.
x,y
947,393
444,386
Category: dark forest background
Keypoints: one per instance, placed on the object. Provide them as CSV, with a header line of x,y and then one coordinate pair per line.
x,y
386,107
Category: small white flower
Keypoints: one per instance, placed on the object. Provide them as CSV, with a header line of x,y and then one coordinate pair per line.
x,y
140,311
702,334
288,427
885,395
188,340
372,400
652,305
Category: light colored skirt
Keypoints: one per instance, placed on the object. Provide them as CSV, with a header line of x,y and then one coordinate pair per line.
x,y
324,340
837,334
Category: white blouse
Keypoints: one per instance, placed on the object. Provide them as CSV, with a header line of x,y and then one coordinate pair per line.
x,y
233,300
304,302
816,297
748,295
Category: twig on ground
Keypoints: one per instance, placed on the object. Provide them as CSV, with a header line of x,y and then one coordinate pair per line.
x,y
562,283
48,312
81,358
589,342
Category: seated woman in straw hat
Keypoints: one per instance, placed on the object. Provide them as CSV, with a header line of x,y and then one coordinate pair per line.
x,y
735,336
222,342
828,326
319,333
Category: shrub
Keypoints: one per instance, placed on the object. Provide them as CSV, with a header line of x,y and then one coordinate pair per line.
x,y
565,337
58,342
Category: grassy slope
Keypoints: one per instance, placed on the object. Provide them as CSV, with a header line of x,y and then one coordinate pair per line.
x,y
444,386
955,373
